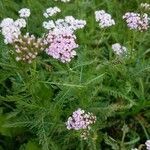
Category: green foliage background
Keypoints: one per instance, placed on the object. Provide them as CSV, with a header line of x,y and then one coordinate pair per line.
x,y
37,99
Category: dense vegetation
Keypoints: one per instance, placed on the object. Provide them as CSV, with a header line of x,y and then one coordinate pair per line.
x,y
36,99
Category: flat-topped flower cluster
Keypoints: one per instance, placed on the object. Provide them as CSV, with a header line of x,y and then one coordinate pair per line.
x,y
104,19
27,47
137,21
119,49
61,37
80,120
61,44
11,29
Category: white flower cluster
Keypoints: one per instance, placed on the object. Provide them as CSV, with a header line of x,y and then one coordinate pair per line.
x,y
147,143
51,11
65,1
49,24
119,49
104,19
21,23
69,22
145,6
11,29
24,13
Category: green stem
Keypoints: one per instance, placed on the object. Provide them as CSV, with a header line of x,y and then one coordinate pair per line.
x,y
27,24
133,43
93,144
123,138
102,35
81,144
144,129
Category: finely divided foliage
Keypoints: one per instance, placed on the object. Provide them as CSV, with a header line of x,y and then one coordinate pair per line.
x,y
74,75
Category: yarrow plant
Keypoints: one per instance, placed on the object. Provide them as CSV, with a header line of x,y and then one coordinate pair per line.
x,y
119,49
39,85
104,19
137,21
81,120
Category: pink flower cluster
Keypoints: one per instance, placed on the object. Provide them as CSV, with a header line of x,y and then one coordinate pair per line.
x,y
137,21
61,44
80,120
60,39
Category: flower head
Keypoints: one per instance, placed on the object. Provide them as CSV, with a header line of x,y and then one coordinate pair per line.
x,y
6,22
11,29
21,23
119,49
51,11
49,24
104,19
80,120
60,39
137,21
61,44
24,12
27,47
